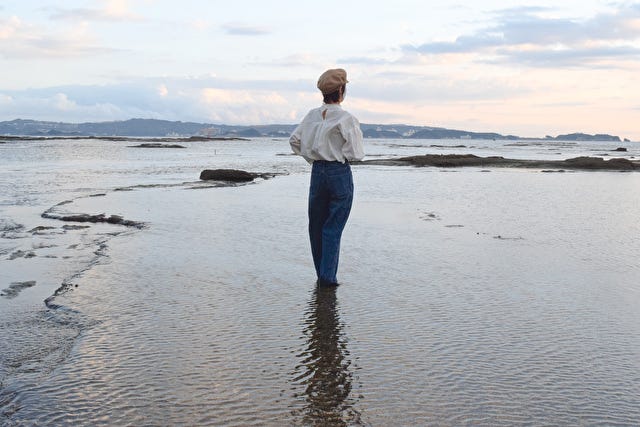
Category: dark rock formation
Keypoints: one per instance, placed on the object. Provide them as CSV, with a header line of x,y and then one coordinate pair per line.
x,y
453,160
622,149
21,254
216,138
112,219
598,163
15,288
460,160
232,175
157,145
75,227
40,229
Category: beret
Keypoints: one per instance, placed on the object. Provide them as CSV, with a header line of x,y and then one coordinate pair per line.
x,y
331,80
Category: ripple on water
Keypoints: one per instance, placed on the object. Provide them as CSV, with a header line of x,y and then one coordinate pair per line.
x,y
209,317
324,374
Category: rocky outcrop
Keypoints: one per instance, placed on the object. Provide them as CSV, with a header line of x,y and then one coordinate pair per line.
x,y
453,160
40,229
461,160
112,219
21,254
157,145
15,288
215,138
232,175
598,163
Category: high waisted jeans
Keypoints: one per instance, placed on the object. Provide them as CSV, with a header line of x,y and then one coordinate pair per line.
x,y
330,198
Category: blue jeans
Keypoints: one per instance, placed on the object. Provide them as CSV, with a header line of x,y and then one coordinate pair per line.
x,y
330,199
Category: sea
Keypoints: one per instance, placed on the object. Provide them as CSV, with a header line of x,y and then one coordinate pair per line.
x,y
469,296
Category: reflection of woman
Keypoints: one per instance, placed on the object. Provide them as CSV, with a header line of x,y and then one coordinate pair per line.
x,y
330,138
325,367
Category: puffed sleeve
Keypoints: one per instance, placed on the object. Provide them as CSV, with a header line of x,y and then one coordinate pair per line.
x,y
353,148
294,140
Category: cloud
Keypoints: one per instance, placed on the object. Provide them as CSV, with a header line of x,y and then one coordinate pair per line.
x,y
58,107
364,60
534,29
113,10
163,91
220,100
471,102
528,35
462,44
407,88
298,60
293,60
571,57
203,99
9,27
23,40
224,105
200,24
240,29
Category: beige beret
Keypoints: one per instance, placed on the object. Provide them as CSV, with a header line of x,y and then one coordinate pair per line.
x,y
331,80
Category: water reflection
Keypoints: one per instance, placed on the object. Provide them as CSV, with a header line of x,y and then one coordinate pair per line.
x,y
325,369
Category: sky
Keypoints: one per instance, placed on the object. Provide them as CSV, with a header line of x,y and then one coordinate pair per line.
x,y
527,68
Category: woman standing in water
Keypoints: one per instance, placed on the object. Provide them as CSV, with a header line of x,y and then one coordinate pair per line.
x,y
329,138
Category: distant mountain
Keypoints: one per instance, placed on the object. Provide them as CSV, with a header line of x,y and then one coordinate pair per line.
x,y
586,137
139,128
133,127
165,128
373,133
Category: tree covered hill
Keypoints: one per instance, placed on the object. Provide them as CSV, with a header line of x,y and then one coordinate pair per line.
x,y
165,128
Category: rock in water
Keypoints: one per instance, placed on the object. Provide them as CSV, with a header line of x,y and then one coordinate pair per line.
x,y
598,163
157,145
232,175
15,288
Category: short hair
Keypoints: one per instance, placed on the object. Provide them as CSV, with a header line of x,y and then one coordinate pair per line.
x,y
333,97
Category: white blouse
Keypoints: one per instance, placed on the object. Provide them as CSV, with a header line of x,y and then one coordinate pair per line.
x,y
334,137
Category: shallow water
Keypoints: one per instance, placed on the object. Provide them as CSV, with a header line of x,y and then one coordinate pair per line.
x,y
506,297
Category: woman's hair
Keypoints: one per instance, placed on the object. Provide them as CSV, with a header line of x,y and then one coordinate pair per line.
x,y
333,97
